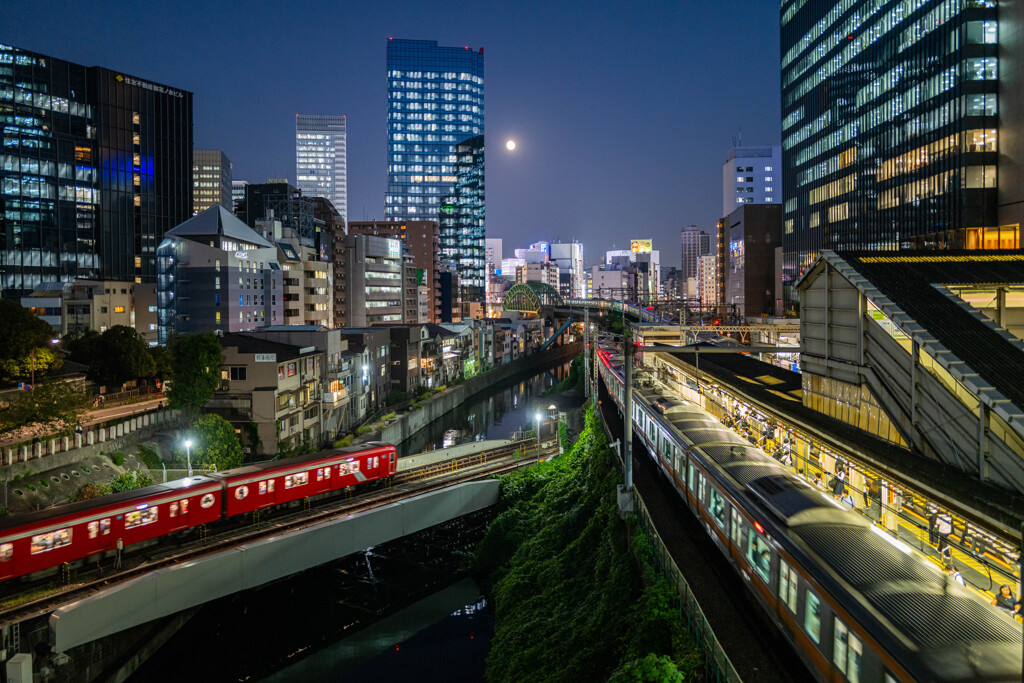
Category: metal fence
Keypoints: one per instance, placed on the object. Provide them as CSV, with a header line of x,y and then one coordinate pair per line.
x,y
717,665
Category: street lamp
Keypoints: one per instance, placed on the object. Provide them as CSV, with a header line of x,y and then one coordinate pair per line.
x,y
538,436
188,455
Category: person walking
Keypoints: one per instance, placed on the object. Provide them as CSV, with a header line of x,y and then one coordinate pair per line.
x,y
839,482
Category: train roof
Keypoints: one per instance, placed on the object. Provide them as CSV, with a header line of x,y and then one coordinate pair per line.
x,y
255,468
112,500
938,616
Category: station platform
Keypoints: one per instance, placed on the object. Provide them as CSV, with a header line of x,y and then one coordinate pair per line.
x,y
890,485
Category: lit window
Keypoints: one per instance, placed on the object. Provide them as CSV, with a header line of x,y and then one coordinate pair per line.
x,y
293,480
787,585
118,309
758,554
768,168
140,518
812,616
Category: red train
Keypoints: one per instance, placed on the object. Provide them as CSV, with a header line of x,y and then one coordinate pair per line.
x,y
48,538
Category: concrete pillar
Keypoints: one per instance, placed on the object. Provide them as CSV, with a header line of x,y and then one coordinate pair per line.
x,y
66,444
91,437
52,447
24,453
78,440
37,450
103,434
10,457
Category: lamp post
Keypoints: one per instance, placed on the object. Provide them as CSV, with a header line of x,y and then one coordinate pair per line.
x,y
188,455
538,436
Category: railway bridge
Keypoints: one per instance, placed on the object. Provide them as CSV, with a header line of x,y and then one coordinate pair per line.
x,y
164,580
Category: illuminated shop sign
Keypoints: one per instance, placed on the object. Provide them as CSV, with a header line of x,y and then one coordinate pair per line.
x,y
149,86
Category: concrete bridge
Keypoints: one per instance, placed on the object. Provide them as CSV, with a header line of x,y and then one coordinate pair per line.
x,y
167,591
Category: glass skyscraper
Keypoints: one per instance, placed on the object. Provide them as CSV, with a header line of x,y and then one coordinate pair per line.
x,y
892,128
96,166
463,232
435,103
321,161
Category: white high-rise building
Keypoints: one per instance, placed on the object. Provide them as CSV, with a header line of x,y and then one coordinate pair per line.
x,y
751,175
321,159
569,257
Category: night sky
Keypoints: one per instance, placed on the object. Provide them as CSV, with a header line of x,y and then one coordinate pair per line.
x,y
623,112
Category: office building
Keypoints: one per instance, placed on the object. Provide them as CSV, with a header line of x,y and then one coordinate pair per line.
x,y
751,175
371,282
211,180
237,193
424,241
216,274
306,279
707,281
545,273
901,127
462,218
80,305
695,243
568,256
435,102
96,166
753,234
321,158
645,265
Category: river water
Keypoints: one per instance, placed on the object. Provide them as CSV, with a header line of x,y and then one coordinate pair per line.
x,y
403,611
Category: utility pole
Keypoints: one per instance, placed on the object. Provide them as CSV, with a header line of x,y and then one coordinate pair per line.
x,y
586,352
627,415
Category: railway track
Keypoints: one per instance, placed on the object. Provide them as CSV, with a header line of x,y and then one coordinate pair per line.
x,y
42,597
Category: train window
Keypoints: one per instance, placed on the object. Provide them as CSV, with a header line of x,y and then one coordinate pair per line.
x,y
241,492
137,518
94,529
718,507
319,474
737,527
327,473
207,501
44,543
846,651
184,507
6,551
787,585
174,509
690,485
701,486
812,616
350,467
105,526
758,554
293,480
263,487
270,486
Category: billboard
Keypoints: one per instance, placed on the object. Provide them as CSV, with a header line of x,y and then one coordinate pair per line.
x,y
640,246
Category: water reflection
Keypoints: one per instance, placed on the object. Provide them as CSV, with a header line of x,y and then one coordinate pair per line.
x,y
495,414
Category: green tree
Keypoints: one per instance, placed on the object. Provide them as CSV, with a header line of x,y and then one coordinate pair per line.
x,y
195,363
121,355
215,443
161,363
33,365
128,481
21,332
87,491
82,347
53,405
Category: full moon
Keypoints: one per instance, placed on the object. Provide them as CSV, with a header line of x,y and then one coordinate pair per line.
x,y
510,145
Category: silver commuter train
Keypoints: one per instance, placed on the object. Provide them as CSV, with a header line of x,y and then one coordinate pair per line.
x,y
855,603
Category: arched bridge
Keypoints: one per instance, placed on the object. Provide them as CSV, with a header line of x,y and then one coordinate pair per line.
x,y
530,297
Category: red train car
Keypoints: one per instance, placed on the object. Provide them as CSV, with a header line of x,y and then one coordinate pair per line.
x,y
46,538
260,486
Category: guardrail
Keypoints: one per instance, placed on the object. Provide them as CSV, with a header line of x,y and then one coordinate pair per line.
x,y
716,663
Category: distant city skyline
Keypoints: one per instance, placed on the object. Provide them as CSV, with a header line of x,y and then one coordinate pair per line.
x,y
617,134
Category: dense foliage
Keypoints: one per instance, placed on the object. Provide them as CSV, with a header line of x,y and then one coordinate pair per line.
x,y
572,602
24,343
576,379
54,405
215,443
195,364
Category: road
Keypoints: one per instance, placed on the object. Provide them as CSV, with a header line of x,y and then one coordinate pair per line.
x,y
92,418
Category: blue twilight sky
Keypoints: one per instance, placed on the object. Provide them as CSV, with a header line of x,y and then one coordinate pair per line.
x,y
623,111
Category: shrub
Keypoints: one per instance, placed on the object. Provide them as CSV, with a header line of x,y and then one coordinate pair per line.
x,y
363,430
87,491
149,457
118,458
86,469
30,487
342,443
389,416
44,483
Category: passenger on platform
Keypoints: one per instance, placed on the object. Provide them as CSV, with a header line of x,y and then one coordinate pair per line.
x,y
847,499
839,482
818,482
1006,599
944,527
787,460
